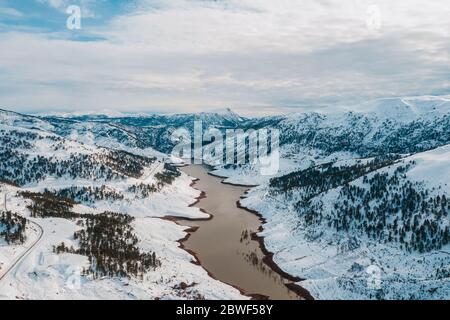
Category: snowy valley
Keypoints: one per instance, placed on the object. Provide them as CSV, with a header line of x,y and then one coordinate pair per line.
x,y
74,194
359,208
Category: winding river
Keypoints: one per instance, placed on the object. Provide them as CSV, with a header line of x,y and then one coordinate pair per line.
x,y
224,244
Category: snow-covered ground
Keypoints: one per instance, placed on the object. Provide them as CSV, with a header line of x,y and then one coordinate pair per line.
x,y
291,158
334,266
43,274
34,271
172,200
340,266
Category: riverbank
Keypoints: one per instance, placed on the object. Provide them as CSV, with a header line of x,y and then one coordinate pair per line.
x,y
227,244
268,259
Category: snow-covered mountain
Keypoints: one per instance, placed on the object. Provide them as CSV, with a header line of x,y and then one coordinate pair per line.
x,y
359,206
138,132
65,193
335,223
361,192
406,109
30,155
399,126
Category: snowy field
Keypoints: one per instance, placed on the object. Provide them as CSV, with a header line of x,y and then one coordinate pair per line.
x,y
42,274
337,268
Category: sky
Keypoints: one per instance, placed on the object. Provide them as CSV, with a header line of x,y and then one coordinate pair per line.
x,y
254,56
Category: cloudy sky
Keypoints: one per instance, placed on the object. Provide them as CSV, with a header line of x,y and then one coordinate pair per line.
x,y
255,56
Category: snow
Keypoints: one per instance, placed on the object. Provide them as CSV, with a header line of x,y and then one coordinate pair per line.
x,y
327,265
42,274
46,275
405,109
333,269
433,168
102,112
291,159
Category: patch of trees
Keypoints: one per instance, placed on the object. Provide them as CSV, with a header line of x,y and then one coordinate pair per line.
x,y
48,205
22,168
416,136
443,272
357,134
390,209
107,239
169,175
14,139
111,247
166,177
316,180
143,190
88,194
126,163
12,227
171,168
11,183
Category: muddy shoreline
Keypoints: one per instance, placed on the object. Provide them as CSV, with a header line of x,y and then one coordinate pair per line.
x,y
267,258
229,183
191,230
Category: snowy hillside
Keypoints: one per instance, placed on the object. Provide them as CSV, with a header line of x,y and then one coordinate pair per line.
x,y
359,208
141,134
401,126
406,109
63,193
335,223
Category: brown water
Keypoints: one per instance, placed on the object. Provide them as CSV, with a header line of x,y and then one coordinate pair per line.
x,y
223,244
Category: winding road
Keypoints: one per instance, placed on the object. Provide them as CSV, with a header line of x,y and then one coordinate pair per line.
x,y
19,259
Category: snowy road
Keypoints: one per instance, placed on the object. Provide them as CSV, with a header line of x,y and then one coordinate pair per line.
x,y
19,259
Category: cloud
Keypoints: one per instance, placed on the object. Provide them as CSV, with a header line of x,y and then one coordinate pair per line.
x,y
10,12
179,55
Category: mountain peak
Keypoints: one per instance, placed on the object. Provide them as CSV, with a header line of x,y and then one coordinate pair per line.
x,y
405,108
228,114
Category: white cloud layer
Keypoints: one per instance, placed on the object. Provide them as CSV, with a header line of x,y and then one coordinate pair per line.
x,y
252,55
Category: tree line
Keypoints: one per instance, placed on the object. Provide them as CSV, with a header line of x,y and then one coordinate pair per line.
x,y
107,239
384,206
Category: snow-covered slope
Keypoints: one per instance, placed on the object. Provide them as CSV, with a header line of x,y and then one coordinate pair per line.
x,y
363,229
402,125
358,208
138,133
406,109
41,174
